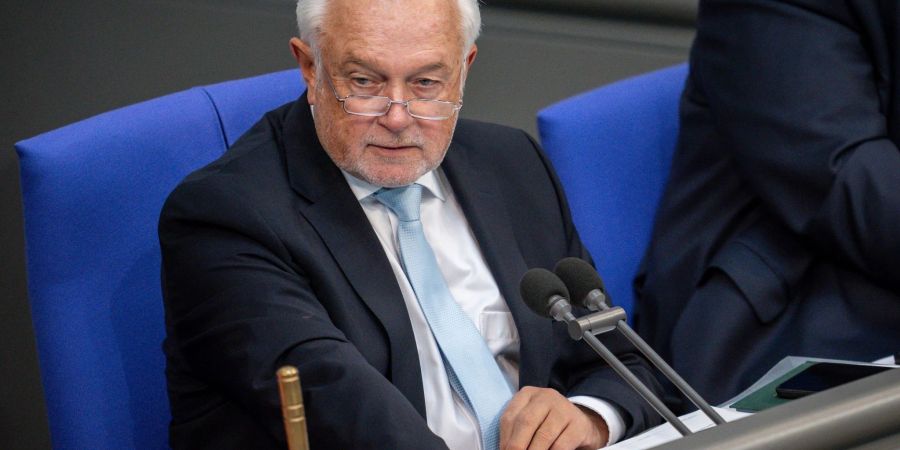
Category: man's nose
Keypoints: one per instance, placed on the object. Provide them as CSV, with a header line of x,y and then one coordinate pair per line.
x,y
397,117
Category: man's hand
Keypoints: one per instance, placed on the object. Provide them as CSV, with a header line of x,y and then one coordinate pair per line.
x,y
541,418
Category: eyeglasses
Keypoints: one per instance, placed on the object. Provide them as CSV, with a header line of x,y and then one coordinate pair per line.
x,y
377,105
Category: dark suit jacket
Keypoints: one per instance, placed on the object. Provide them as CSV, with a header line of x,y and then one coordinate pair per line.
x,y
268,259
779,232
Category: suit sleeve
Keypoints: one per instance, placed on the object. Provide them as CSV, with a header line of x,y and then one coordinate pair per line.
x,y
237,309
795,89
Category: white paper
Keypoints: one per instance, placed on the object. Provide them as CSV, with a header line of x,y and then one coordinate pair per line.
x,y
695,421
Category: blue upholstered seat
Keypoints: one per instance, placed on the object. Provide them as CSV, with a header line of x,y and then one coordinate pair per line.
x,y
92,193
612,148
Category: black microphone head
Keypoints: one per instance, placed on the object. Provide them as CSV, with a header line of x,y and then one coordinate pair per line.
x,y
538,286
580,277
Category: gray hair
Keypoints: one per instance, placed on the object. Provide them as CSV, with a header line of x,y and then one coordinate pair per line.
x,y
311,13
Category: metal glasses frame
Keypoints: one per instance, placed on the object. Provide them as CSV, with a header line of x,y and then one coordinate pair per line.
x,y
390,102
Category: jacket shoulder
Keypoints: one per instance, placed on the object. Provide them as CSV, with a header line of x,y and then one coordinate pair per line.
x,y
476,131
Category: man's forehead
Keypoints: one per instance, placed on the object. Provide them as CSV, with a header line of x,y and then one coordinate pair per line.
x,y
385,16
380,38
367,7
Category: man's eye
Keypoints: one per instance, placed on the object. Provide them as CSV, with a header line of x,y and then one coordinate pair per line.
x,y
363,82
425,82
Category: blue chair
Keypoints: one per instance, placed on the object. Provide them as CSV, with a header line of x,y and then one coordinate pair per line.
x,y
612,148
92,192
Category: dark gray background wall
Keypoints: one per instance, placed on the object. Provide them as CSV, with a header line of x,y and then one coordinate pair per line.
x,y
66,61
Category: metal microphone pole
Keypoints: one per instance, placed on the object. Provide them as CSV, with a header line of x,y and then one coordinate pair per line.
x,y
561,311
596,301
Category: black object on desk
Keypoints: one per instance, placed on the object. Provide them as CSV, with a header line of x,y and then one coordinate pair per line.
x,y
820,376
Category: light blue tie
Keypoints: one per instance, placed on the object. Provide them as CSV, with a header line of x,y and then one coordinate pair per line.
x,y
471,367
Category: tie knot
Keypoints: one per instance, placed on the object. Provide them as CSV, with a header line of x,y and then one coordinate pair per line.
x,y
403,201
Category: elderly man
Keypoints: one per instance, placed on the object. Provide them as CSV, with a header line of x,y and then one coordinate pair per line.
x,y
335,236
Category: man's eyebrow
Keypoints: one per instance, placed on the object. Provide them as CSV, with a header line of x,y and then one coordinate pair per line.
x,y
353,60
434,67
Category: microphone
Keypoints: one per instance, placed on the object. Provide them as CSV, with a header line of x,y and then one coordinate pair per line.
x,y
587,289
546,294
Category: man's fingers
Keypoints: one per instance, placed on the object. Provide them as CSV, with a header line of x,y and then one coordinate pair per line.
x,y
570,438
515,406
536,420
541,418
524,425
548,432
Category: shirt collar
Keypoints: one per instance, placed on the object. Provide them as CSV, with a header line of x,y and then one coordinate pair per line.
x,y
362,189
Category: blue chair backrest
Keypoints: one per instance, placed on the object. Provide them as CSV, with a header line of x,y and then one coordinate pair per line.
x,y
92,193
612,148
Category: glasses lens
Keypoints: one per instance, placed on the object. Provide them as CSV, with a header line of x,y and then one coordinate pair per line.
x,y
367,105
431,109
374,105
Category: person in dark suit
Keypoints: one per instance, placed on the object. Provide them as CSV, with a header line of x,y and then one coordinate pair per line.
x,y
292,248
779,231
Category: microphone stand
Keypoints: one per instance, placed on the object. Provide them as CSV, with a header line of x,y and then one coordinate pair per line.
x,y
561,311
595,301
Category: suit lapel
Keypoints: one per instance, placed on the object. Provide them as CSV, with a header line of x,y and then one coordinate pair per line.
x,y
334,212
486,211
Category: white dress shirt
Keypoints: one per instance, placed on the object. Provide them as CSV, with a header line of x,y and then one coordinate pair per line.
x,y
473,287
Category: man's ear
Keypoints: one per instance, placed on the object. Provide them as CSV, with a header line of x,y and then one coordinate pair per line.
x,y
470,58
306,60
